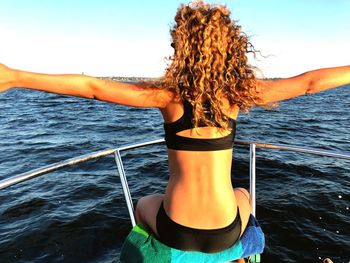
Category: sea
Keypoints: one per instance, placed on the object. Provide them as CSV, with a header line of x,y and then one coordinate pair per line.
x,y
79,214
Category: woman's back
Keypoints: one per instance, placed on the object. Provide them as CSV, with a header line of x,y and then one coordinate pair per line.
x,y
200,180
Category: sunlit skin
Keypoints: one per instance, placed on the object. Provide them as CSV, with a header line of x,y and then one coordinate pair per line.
x,y
186,168
199,193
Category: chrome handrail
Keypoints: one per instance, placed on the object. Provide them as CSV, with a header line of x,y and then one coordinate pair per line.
x,y
69,162
72,161
83,158
301,149
52,167
252,176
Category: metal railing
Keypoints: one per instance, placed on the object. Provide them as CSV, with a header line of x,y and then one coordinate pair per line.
x,y
80,159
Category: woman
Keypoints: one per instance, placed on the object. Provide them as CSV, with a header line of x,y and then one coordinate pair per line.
x,y
208,82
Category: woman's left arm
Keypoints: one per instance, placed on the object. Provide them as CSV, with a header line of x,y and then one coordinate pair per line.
x,y
306,83
131,94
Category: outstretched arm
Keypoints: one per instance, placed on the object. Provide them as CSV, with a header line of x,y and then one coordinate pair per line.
x,y
306,83
137,94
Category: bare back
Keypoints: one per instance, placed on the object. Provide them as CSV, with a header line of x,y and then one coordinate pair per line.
x,y
200,181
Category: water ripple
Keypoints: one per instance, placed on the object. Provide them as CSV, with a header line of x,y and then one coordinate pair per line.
x,y
79,214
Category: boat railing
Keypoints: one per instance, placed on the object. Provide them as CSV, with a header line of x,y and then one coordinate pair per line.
x,y
118,159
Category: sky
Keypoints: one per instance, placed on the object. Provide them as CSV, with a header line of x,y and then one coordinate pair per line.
x,y
131,38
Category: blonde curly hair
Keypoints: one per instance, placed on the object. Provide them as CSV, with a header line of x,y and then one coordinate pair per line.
x,y
210,62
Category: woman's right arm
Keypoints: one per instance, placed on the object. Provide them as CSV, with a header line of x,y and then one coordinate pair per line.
x,y
309,82
131,94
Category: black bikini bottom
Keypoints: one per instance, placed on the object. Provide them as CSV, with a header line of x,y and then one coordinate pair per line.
x,y
185,238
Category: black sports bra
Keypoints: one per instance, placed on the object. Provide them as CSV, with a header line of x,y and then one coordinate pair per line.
x,y
178,142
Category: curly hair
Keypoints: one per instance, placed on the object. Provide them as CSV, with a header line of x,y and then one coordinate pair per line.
x,y
210,63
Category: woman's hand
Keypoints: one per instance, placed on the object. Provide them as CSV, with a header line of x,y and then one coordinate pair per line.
x,y
7,78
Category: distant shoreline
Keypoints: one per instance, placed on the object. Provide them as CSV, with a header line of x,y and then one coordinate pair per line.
x,y
128,79
137,79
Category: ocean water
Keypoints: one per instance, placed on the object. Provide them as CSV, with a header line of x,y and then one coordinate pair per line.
x,y
79,214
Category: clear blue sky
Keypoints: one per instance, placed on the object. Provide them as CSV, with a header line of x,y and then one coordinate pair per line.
x,y
131,38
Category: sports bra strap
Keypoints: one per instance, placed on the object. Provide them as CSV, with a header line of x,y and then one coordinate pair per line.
x,y
178,142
